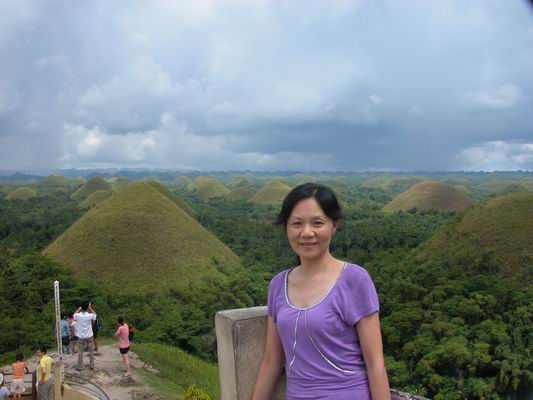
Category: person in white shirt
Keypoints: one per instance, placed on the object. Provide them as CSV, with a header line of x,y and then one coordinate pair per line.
x,y
84,331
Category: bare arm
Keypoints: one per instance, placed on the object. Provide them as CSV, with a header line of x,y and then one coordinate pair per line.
x,y
369,333
271,365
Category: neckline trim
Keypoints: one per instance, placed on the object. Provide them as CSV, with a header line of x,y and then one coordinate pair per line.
x,y
321,300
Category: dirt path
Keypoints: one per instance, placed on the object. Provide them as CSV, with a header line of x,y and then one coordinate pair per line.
x,y
108,373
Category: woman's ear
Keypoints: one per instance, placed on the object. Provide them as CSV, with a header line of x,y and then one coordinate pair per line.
x,y
334,228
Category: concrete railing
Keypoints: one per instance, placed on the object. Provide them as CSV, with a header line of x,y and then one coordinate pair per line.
x,y
241,343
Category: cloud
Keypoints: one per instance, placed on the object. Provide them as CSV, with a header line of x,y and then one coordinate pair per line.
x,y
346,84
497,155
502,98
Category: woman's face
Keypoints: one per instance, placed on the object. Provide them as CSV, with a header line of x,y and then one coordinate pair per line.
x,y
310,230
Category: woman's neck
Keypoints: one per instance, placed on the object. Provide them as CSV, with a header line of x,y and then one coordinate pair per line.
x,y
318,265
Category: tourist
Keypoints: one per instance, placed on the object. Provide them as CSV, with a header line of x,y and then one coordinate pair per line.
x,y
124,344
322,314
97,327
65,333
84,316
72,333
18,369
44,374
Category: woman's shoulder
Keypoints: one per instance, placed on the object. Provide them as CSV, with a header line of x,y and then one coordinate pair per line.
x,y
279,279
355,274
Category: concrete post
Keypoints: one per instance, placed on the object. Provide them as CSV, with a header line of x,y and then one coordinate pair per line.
x,y
241,343
58,379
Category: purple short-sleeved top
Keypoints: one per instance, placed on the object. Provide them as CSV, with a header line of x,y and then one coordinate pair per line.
x,y
323,357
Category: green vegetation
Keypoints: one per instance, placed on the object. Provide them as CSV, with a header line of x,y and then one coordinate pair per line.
x,y
207,188
430,195
119,182
96,198
272,193
181,181
496,236
92,185
394,184
140,240
23,193
455,287
172,196
181,376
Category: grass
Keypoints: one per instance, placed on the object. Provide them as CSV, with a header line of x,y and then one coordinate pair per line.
x,y
91,186
140,241
272,193
430,195
96,198
177,370
23,193
207,188
499,228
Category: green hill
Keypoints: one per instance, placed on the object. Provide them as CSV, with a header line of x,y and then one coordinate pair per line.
x,y
91,186
56,180
96,198
272,193
23,193
430,195
175,198
242,187
140,240
395,184
495,186
119,182
498,231
207,188
181,181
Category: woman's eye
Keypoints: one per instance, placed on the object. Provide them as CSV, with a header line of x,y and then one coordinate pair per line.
x,y
318,223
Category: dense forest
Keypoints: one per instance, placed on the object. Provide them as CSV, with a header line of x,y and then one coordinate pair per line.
x,y
451,330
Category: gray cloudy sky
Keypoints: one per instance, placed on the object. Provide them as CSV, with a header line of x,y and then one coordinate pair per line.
x,y
267,85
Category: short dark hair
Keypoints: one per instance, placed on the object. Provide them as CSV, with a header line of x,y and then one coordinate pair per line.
x,y
42,348
120,319
324,196
85,305
19,356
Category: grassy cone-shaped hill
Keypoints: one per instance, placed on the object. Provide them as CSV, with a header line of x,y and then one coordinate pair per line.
x,y
119,182
207,188
392,183
496,231
242,187
23,193
272,193
181,181
56,180
430,195
140,241
240,181
91,186
175,198
96,198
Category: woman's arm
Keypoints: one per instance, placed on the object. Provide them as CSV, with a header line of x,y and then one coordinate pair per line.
x,y
369,333
271,365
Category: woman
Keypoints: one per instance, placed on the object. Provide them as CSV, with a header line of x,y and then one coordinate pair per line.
x,y
124,344
323,314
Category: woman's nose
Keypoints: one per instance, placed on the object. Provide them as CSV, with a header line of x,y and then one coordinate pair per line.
x,y
307,230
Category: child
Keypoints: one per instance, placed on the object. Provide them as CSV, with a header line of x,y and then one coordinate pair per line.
x,y
18,369
4,392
